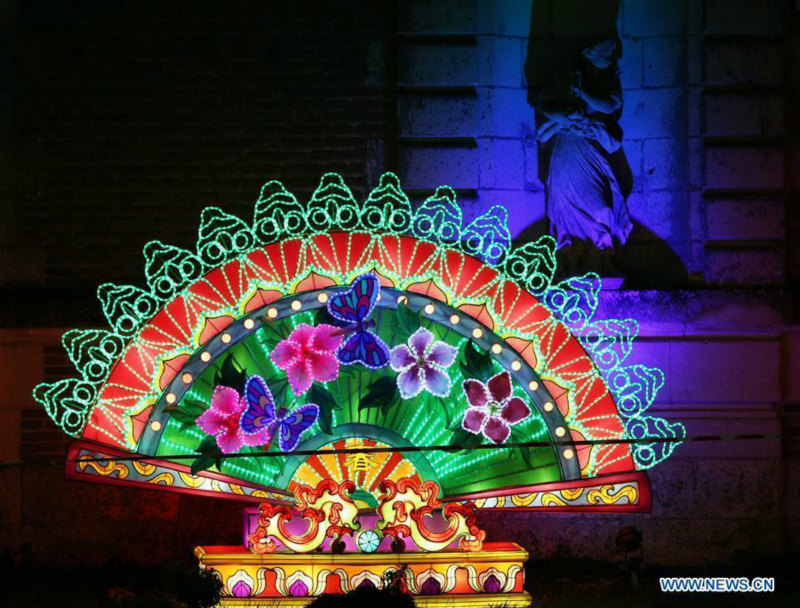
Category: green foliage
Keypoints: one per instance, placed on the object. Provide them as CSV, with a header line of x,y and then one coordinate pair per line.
x,y
324,399
186,412
278,385
408,322
523,453
442,404
381,394
476,364
231,374
270,334
464,440
322,316
210,455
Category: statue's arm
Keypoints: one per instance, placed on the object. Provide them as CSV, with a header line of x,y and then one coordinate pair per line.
x,y
602,104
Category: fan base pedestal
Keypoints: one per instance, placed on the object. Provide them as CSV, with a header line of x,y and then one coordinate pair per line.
x,y
296,579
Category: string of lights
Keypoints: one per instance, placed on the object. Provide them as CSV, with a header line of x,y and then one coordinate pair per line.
x,y
455,448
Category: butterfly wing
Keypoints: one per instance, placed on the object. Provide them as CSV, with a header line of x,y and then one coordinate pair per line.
x,y
260,411
366,348
294,424
357,303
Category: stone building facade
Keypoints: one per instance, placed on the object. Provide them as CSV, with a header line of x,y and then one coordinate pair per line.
x,y
121,126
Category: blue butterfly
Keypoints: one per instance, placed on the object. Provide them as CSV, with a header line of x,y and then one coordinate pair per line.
x,y
353,307
260,419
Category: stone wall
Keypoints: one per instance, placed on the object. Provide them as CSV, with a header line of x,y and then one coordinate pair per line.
x,y
124,126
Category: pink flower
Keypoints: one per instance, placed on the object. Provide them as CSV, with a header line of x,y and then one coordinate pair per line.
x,y
493,408
308,354
421,365
222,419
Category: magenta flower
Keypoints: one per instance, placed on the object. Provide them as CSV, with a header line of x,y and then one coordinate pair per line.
x,y
493,408
308,354
421,365
222,419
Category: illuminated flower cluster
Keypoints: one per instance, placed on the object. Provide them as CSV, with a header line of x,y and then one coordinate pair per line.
x,y
421,365
308,355
222,420
493,409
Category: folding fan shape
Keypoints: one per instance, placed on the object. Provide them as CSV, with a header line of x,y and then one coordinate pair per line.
x,y
214,316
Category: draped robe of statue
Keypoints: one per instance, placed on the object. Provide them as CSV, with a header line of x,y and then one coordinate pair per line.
x,y
584,198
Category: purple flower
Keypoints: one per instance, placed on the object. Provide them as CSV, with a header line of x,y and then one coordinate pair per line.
x,y
493,408
421,365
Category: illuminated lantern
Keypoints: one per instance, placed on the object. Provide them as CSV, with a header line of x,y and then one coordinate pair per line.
x,y
407,364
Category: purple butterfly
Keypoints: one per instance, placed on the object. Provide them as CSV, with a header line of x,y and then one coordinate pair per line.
x,y
260,419
353,307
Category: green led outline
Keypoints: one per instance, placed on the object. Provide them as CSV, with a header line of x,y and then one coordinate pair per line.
x,y
278,214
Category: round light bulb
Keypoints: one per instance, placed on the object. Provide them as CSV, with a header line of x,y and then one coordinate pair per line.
x,y
497,349
272,313
402,300
516,366
569,454
296,305
155,426
561,431
205,357
187,378
322,297
226,338
249,324
429,309
454,319
548,407
533,385
477,333
171,398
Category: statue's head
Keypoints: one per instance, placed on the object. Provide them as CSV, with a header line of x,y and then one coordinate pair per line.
x,y
603,53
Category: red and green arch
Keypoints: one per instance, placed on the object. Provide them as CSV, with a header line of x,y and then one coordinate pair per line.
x,y
236,294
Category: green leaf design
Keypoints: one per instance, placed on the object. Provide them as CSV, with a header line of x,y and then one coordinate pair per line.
x,y
524,453
322,316
382,393
278,384
325,420
195,408
231,374
442,404
186,413
408,322
202,463
465,440
324,399
208,445
476,364
210,455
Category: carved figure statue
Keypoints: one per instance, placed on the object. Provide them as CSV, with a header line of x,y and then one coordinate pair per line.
x,y
578,127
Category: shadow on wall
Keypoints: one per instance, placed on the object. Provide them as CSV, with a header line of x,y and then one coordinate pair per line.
x,y
646,261
574,87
